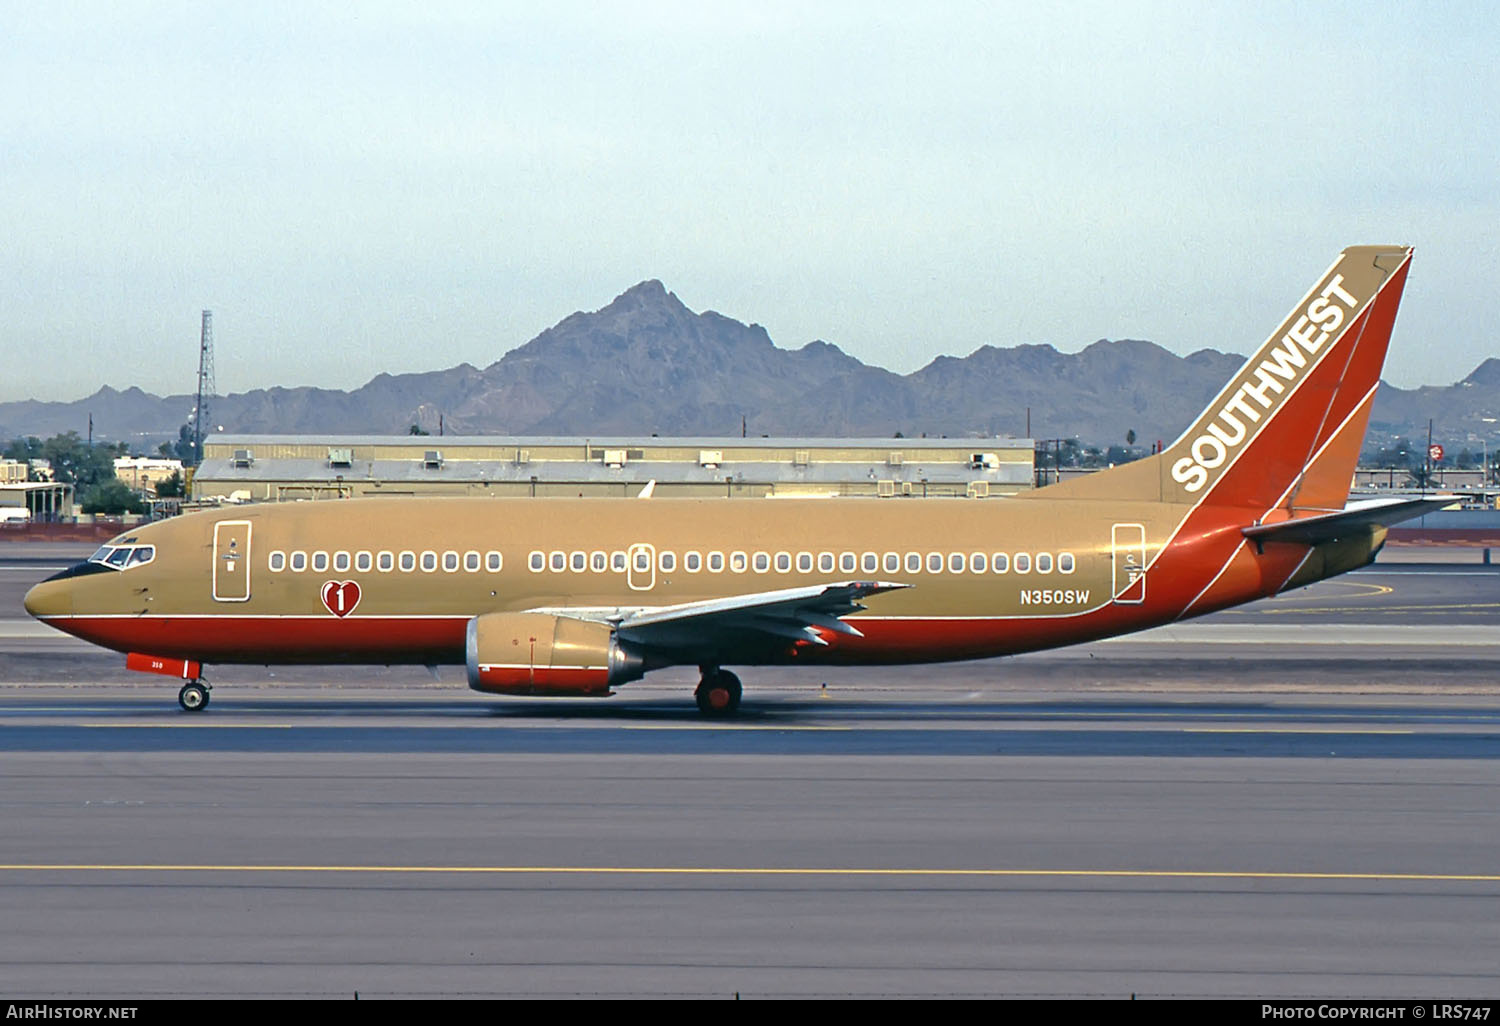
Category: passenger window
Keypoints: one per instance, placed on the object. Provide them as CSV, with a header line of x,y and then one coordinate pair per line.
x,y
537,561
408,561
804,562
429,561
870,563
599,562
341,561
580,562
825,562
617,562
299,562
642,560
362,562
761,562
715,561
277,562
1023,563
472,562
385,562
450,561
893,562
692,562
847,563
737,562
934,562
559,562
1065,563
668,562
913,562
493,561
1000,563
783,562
320,561
956,562
978,562
1044,562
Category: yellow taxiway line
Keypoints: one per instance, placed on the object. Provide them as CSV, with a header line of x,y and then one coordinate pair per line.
x,y
1127,874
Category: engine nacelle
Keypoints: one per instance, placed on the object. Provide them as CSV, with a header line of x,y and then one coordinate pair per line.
x,y
541,654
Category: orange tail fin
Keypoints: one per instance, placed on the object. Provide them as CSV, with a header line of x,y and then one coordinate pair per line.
x,y
1287,429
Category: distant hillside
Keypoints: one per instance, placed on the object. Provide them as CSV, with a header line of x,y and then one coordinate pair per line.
x,y
647,364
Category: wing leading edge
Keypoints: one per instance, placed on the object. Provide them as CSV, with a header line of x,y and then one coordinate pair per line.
x,y
795,614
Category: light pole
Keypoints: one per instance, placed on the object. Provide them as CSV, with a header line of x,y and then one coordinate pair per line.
x,y
1484,442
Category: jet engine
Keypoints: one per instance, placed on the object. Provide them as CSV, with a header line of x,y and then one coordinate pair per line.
x,y
542,654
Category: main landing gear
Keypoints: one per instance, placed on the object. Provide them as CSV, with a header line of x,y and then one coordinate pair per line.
x,y
193,696
718,692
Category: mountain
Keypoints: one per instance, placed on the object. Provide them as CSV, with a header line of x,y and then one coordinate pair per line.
x,y
647,364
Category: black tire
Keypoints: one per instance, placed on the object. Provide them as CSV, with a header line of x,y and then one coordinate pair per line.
x,y
193,697
718,694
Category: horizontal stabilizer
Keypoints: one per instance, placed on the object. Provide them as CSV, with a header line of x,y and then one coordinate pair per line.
x,y
1326,527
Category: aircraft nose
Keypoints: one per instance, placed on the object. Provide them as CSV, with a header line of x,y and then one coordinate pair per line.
x,y
49,598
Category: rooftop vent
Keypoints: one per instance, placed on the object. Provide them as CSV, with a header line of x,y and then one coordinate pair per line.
x,y
432,459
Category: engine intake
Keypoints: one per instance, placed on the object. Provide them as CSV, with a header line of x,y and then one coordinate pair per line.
x,y
542,654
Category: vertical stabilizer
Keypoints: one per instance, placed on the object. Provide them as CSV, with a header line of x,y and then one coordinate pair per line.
x,y
1287,429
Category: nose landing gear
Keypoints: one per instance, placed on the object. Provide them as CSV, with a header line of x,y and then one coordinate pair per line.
x,y
718,692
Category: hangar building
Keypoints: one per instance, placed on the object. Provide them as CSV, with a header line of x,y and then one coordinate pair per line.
x,y
259,468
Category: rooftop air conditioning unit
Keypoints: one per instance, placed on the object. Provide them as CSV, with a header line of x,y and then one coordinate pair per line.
x,y
895,459
243,457
983,461
523,456
614,458
432,459
340,457
801,458
710,457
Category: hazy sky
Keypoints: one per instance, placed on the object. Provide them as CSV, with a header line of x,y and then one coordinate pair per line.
x,y
367,187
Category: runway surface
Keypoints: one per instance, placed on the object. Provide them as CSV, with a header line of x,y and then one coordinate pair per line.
x,y
1295,799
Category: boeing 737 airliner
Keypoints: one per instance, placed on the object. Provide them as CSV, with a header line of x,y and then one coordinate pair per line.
x,y
577,596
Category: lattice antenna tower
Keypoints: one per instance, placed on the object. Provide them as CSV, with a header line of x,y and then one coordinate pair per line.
x,y
205,383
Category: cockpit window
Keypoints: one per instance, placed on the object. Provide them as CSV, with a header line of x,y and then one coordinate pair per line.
x,y
123,557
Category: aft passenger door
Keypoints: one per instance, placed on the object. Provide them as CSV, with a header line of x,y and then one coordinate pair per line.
x,y
232,561
1128,563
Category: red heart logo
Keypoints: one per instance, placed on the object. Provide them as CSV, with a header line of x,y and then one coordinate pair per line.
x,y
340,596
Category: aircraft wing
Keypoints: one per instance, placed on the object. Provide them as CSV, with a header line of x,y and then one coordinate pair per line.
x,y
1325,527
795,613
